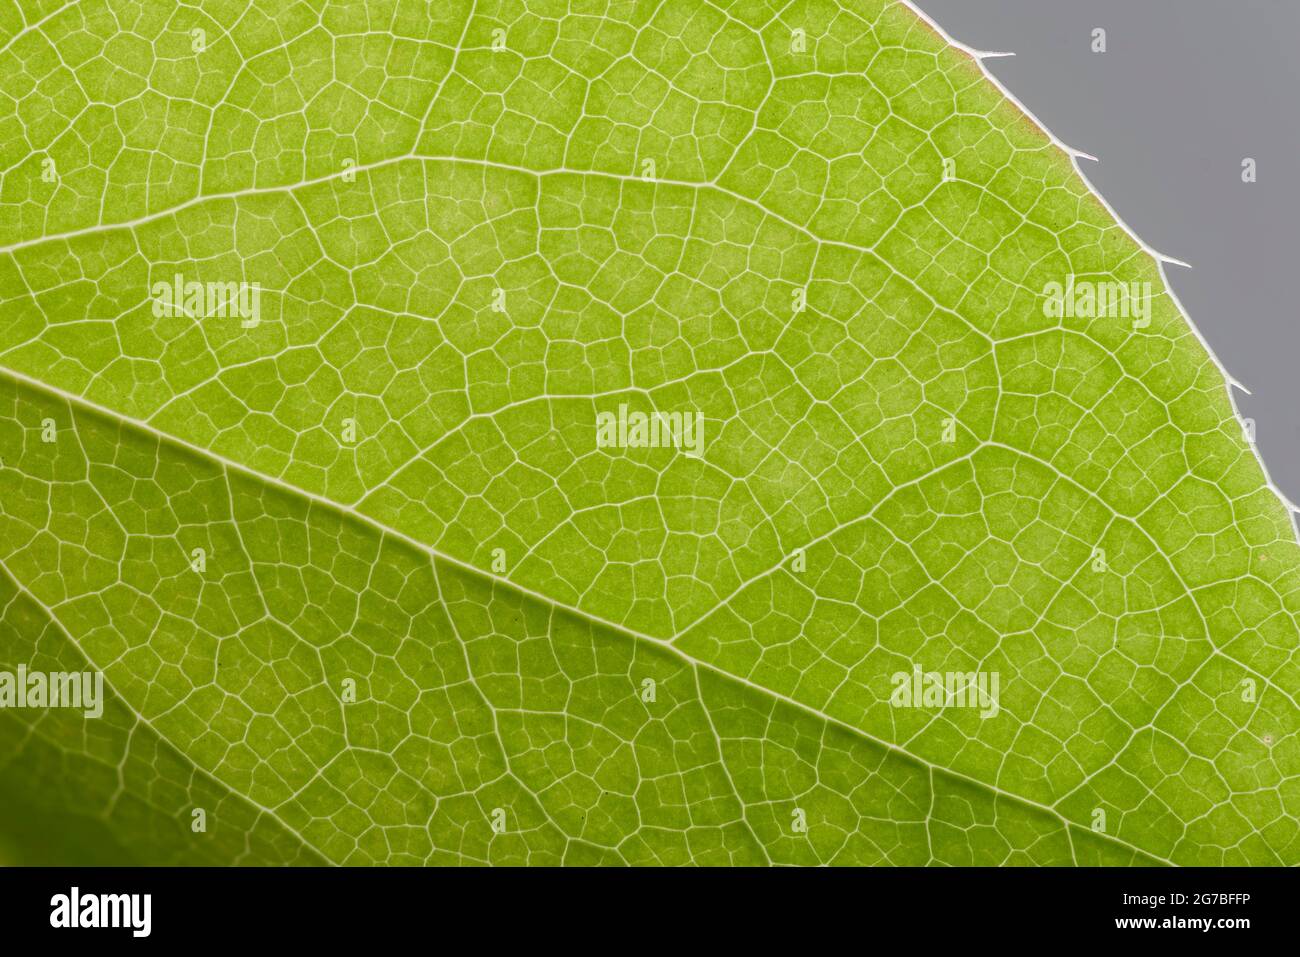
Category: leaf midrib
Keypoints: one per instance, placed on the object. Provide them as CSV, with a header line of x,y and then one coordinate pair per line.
x,y
435,555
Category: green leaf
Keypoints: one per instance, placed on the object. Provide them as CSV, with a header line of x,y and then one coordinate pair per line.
x,y
434,619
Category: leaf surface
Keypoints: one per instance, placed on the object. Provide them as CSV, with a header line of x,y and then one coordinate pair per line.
x,y
395,478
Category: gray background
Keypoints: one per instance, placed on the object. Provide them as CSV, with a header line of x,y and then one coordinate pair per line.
x,y
1185,91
